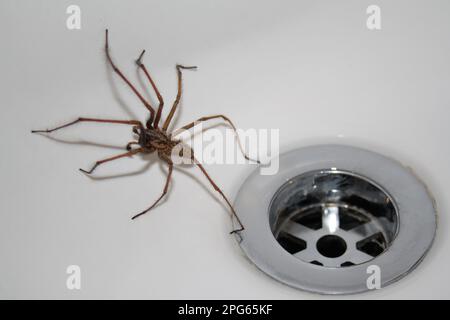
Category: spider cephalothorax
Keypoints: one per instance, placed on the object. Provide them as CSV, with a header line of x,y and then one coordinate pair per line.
x,y
152,137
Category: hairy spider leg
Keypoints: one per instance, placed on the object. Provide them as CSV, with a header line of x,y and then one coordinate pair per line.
x,y
127,154
166,187
130,122
160,98
194,123
177,99
116,70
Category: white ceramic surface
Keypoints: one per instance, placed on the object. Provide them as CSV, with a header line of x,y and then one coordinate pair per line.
x,y
311,69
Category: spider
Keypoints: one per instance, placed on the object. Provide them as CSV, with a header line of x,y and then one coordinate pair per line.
x,y
155,138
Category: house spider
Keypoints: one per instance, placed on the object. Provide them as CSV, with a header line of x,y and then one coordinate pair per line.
x,y
152,137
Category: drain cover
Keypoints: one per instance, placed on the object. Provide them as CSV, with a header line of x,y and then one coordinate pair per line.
x,y
333,218
331,212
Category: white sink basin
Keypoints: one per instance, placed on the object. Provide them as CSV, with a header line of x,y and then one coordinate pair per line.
x,y
313,71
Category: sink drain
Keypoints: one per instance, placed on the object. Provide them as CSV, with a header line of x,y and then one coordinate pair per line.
x,y
331,212
324,215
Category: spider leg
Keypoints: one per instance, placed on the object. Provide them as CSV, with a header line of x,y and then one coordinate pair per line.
x,y
160,98
116,70
166,187
223,196
194,123
127,154
177,99
130,122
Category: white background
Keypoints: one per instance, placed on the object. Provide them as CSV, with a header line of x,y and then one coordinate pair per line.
x,y
310,68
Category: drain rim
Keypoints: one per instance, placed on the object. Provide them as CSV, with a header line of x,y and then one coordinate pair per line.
x,y
416,223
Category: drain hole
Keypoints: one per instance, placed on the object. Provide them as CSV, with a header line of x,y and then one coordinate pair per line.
x,y
291,243
349,220
373,245
347,264
331,246
312,221
317,263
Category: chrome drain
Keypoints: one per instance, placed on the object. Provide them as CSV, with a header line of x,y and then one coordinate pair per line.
x,y
331,212
333,218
